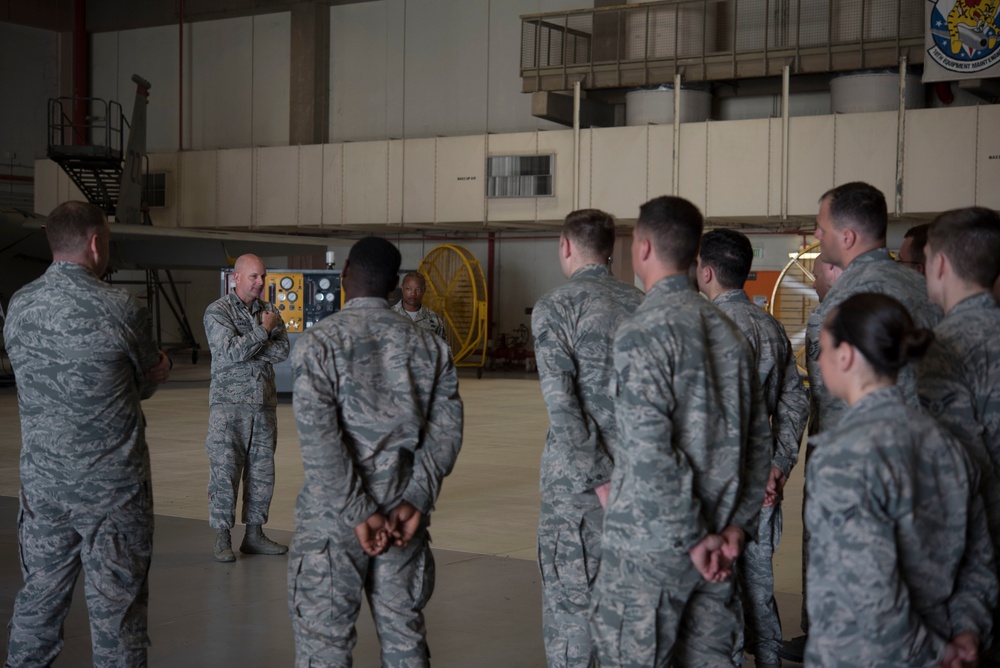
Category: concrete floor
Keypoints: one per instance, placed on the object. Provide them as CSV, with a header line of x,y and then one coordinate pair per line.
x,y
486,607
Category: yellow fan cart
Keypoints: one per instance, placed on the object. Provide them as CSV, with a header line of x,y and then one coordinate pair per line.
x,y
456,290
794,298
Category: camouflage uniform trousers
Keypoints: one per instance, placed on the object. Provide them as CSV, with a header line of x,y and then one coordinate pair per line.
x,y
569,553
113,548
655,610
241,443
762,625
326,578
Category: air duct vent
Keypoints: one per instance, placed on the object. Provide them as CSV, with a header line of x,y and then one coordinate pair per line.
x,y
519,175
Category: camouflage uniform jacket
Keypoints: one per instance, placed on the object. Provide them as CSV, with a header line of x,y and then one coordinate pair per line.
x,y
694,441
80,349
873,271
784,395
425,318
900,555
574,327
243,352
959,384
379,416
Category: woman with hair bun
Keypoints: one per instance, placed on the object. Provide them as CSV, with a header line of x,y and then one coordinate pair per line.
x,y
901,564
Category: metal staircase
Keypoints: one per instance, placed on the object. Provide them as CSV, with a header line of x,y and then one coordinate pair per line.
x,y
89,152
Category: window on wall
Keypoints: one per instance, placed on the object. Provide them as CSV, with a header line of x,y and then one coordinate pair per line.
x,y
154,189
519,175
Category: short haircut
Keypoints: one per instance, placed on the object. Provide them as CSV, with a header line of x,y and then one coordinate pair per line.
x,y
919,235
970,239
729,254
881,328
859,206
375,265
674,226
417,276
70,226
592,230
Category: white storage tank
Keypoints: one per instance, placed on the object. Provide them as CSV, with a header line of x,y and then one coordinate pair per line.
x,y
873,91
656,106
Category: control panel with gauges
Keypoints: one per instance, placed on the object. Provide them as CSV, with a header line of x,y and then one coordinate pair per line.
x,y
302,297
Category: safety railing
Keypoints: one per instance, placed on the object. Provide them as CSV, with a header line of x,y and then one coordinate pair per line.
x,y
715,39
102,126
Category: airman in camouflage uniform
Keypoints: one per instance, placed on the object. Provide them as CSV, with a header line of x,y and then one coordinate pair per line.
x,y
723,266
84,357
851,227
380,423
411,305
901,570
959,379
574,327
246,337
691,464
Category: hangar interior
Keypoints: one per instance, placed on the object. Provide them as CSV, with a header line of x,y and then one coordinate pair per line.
x,y
478,123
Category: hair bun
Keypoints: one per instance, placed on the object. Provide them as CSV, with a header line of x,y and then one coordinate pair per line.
x,y
914,344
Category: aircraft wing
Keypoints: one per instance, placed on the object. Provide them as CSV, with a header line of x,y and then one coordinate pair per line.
x,y
147,247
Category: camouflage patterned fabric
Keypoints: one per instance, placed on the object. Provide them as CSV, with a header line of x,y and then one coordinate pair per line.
x,y
788,408
900,559
80,349
693,458
873,271
959,384
574,328
242,427
380,422
425,318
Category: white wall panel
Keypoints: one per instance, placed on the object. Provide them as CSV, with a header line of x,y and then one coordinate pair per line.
x,y
310,186
738,168
988,158
152,53
46,186
271,90
932,181
276,190
774,168
810,162
526,269
235,188
460,186
692,184
366,70
29,76
199,188
586,198
397,177
660,162
418,180
240,86
366,182
866,151
618,170
333,185
559,143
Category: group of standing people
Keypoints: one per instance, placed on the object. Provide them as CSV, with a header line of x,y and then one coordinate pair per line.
x,y
380,423
675,422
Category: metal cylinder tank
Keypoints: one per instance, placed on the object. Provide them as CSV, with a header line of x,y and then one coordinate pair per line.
x,y
644,107
873,91
663,31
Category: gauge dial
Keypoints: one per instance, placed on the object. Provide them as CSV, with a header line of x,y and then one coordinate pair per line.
x,y
287,283
324,284
293,296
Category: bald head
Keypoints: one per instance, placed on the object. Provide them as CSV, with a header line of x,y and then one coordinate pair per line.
x,y
248,275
